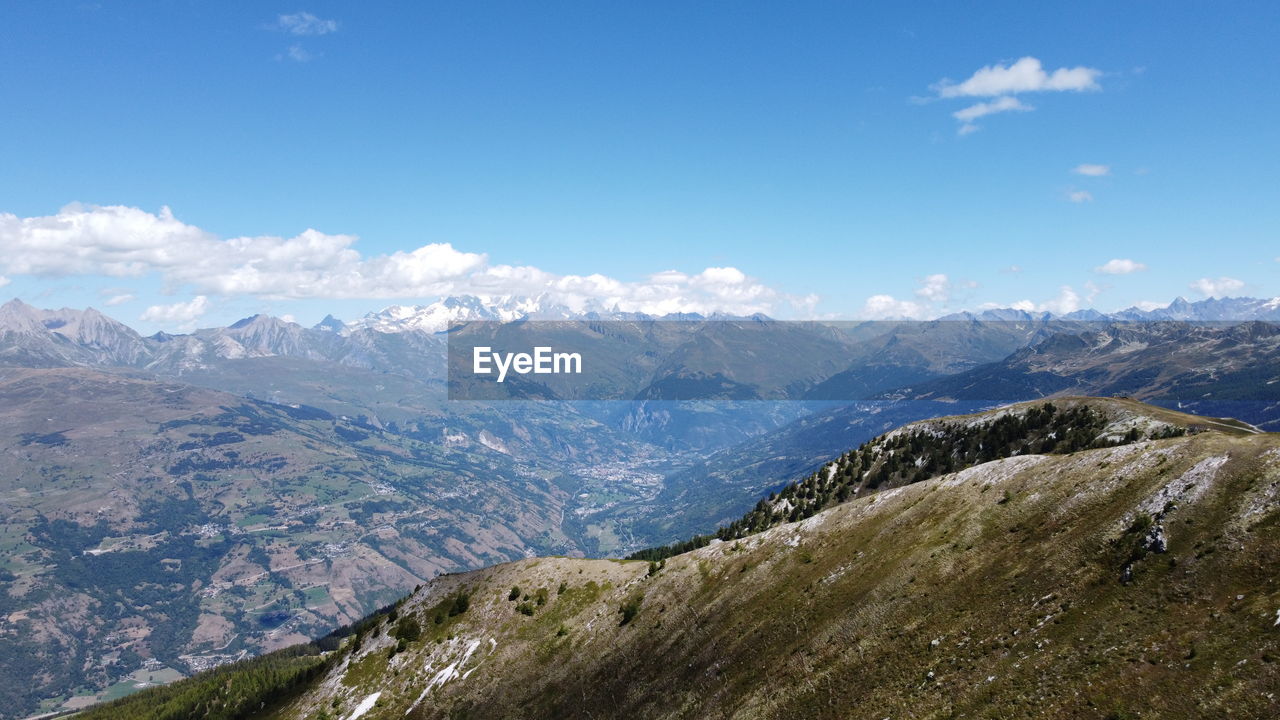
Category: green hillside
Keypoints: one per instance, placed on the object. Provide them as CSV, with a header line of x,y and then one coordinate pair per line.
x,y
1135,580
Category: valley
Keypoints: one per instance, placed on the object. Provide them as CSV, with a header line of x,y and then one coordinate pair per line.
x,y
176,503
1136,578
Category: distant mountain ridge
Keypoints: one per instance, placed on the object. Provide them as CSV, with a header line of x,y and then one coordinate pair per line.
x,y
31,336
1236,309
1209,370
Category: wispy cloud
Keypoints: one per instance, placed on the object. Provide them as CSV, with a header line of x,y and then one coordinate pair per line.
x,y
1003,82
119,299
4,281
297,53
305,24
1005,104
1216,287
1080,196
1119,266
302,24
999,105
1092,170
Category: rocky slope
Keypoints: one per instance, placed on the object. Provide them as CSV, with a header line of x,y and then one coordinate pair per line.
x,y
1138,580
161,528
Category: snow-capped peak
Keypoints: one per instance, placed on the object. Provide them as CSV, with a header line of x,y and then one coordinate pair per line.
x,y
442,314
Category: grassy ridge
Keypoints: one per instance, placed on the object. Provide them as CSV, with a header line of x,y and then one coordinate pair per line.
x,y
923,451
1031,586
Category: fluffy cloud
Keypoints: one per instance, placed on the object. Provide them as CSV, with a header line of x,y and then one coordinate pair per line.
x,y
934,291
1080,196
129,242
1216,287
304,23
114,241
183,314
935,288
1025,75
886,307
4,281
1067,301
1092,170
1120,266
1004,82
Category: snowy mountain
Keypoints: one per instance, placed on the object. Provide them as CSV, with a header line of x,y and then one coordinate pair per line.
x,y
440,315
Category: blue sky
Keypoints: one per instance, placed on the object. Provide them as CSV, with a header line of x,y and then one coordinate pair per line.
x,y
807,153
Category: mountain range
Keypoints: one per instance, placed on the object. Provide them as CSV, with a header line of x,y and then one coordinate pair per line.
x,y
246,487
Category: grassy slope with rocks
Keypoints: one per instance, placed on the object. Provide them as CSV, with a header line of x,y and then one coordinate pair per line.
x,y
923,450
1131,581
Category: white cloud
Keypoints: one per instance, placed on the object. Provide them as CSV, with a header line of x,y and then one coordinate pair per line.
x,y
304,23
1066,301
1211,287
129,242
982,109
297,53
1080,196
1011,269
1003,82
4,281
935,288
1120,266
1092,170
934,291
183,314
1025,75
119,299
885,307
1148,305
